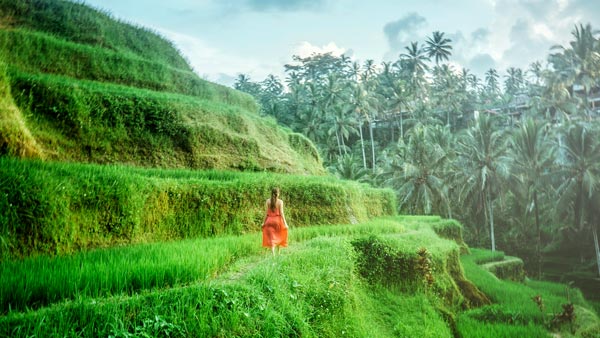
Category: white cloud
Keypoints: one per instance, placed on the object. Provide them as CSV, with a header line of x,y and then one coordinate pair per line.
x,y
217,65
305,49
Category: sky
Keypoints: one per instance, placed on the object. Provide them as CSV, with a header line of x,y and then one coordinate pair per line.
x,y
224,38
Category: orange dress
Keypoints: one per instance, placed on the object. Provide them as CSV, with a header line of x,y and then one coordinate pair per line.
x,y
274,232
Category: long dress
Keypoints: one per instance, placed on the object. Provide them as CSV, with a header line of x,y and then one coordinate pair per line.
x,y
274,232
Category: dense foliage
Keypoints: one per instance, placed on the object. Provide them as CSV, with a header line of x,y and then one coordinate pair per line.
x,y
515,157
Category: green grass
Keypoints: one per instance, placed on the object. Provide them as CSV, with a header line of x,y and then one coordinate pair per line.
x,y
227,287
15,137
126,96
82,24
127,270
59,208
88,121
514,310
35,52
310,290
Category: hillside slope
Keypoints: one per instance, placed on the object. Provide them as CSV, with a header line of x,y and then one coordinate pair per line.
x,y
318,287
79,86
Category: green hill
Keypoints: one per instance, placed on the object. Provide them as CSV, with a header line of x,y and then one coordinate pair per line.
x,y
77,85
108,228
389,277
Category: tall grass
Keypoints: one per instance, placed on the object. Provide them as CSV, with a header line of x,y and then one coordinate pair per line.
x,y
514,310
309,291
43,280
112,123
35,52
80,23
15,136
59,208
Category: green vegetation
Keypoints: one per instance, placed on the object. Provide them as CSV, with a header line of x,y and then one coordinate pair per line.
x,y
125,96
59,208
113,123
514,308
123,250
84,25
515,157
227,287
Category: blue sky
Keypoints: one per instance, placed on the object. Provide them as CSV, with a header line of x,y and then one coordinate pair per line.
x,y
223,38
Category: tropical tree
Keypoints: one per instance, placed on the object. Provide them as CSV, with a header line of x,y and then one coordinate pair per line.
x,y
362,104
580,174
413,66
438,47
447,94
514,81
244,84
483,167
492,86
532,156
578,67
417,174
346,168
342,124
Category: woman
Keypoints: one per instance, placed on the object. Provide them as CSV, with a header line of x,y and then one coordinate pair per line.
x,y
275,228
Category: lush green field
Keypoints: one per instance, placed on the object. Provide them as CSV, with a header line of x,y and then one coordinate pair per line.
x,y
89,121
57,208
514,311
230,287
116,93
82,24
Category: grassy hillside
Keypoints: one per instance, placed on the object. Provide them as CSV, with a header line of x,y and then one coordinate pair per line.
x,y
59,208
318,287
80,86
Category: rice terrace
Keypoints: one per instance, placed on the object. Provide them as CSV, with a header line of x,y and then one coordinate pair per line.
x,y
422,199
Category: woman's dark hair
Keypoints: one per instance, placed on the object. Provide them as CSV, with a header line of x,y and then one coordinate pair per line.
x,y
274,194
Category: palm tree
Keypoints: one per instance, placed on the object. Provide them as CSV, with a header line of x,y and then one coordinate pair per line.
x,y
342,124
355,71
578,65
492,86
514,80
363,106
532,154
438,47
369,70
413,66
346,168
484,165
244,84
398,100
580,173
417,174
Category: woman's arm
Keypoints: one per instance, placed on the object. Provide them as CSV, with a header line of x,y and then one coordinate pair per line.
x,y
282,214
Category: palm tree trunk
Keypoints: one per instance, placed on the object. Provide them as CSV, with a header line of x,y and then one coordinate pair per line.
x,y
362,146
401,126
491,208
372,145
538,249
337,138
344,145
595,233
